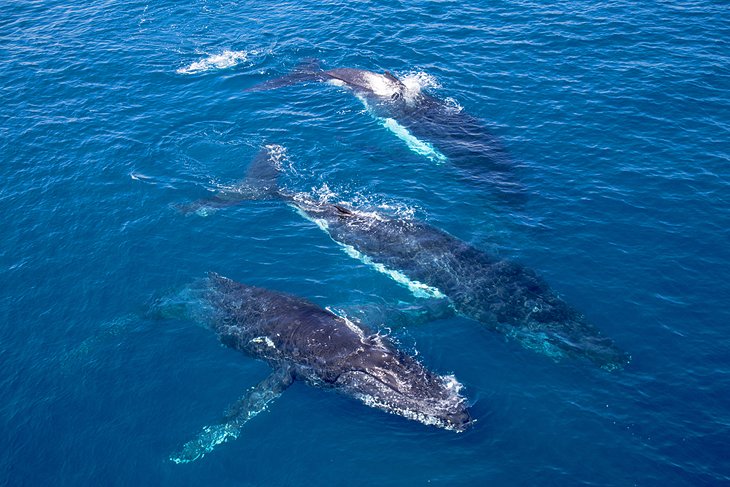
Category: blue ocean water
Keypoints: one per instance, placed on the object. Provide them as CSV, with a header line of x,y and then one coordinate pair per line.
x,y
112,114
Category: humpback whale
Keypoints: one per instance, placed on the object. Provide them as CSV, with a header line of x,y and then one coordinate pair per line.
x,y
301,341
429,126
505,296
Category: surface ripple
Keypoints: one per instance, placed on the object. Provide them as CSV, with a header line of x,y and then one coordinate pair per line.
x,y
113,114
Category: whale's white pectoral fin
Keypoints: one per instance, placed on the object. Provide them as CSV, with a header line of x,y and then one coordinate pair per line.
x,y
253,402
403,315
425,311
420,147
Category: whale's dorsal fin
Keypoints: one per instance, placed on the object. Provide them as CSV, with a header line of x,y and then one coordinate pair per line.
x,y
401,87
253,402
393,78
262,174
342,211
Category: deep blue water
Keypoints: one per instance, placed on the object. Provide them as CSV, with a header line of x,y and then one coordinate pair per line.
x,y
616,117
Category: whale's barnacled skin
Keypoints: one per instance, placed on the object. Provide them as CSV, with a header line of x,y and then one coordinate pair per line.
x,y
324,349
302,341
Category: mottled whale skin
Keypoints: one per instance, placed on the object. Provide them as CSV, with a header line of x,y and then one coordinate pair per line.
x,y
505,296
458,137
302,341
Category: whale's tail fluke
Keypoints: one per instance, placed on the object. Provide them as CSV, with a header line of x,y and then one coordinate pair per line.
x,y
308,70
260,183
263,173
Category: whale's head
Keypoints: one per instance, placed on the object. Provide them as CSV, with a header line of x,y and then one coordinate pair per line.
x,y
387,379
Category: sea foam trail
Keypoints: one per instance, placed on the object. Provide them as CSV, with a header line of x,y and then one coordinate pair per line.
x,y
224,60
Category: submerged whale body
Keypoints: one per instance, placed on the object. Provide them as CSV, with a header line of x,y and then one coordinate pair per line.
x,y
505,296
429,126
302,341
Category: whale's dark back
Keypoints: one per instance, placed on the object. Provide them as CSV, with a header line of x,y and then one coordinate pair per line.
x,y
323,349
277,326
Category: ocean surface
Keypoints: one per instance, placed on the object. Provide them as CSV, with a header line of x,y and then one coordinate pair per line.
x,y
615,117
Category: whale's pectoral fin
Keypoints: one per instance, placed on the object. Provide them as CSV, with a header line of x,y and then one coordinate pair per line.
x,y
430,309
261,182
403,315
253,402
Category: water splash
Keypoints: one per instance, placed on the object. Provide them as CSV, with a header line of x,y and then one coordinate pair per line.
x,y
415,82
224,60
429,415
380,85
452,106
280,158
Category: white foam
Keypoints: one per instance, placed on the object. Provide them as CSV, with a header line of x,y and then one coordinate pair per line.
x,y
428,416
352,326
452,105
224,60
415,82
418,80
381,85
396,208
421,417
277,155
324,193
451,384
318,196
371,401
